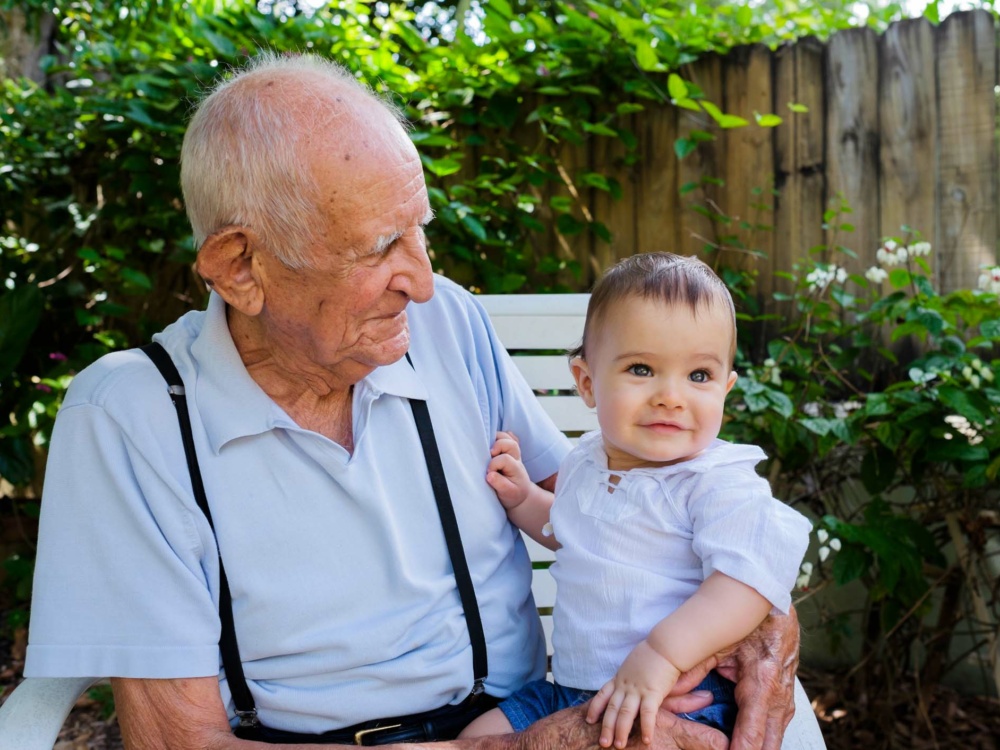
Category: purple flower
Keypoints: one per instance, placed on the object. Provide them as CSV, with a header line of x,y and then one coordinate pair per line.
x,y
58,356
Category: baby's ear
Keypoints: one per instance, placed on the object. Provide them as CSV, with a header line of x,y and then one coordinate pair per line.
x,y
732,381
584,382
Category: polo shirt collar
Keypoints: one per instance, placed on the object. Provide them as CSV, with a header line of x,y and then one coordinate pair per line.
x,y
232,405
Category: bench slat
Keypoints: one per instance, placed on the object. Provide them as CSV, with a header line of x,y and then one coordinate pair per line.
x,y
545,372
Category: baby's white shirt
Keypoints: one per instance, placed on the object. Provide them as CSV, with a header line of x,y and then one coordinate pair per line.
x,y
632,556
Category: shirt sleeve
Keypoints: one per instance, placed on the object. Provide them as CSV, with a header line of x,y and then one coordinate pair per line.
x,y
741,530
120,587
514,405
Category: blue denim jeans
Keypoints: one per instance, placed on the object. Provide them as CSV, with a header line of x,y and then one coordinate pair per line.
x,y
538,699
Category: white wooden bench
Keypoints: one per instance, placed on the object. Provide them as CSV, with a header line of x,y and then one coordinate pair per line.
x,y
536,329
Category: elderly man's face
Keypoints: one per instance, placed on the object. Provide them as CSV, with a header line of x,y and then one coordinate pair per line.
x,y
370,255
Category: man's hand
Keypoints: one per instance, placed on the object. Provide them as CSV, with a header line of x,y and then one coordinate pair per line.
x,y
640,685
568,730
763,666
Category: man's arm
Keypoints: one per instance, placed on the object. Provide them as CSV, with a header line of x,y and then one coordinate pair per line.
x,y
187,714
763,666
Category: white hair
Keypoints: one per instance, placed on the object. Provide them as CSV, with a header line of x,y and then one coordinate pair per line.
x,y
246,159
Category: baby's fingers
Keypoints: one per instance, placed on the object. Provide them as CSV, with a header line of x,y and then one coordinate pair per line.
x,y
647,719
626,718
599,702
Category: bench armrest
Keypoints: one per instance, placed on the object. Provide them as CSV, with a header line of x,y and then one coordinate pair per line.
x,y
30,719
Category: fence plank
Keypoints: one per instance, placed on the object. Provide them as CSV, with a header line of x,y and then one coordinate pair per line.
x,y
908,132
702,167
608,155
966,59
658,227
749,163
799,156
852,138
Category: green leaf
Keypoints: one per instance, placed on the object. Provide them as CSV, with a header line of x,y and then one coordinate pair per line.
x,y
878,469
958,449
136,278
20,311
567,224
962,403
850,564
646,56
683,147
676,87
990,328
767,121
899,277
475,226
798,108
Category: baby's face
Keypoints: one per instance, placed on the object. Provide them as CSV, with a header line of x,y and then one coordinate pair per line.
x,y
658,375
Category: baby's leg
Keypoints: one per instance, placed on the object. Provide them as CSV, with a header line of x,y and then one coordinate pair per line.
x,y
491,722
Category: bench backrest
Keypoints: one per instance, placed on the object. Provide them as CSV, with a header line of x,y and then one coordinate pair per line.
x,y
537,330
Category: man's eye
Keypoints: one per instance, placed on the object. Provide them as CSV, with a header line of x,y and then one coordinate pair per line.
x,y
643,371
700,376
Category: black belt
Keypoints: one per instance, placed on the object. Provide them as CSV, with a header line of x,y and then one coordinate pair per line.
x,y
408,728
431,726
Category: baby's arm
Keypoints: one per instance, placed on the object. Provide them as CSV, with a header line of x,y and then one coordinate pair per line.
x,y
526,503
721,612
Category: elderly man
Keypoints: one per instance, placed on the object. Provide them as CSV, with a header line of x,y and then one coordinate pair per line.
x,y
308,202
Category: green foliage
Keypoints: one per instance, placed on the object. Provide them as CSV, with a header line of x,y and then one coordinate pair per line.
x,y
880,407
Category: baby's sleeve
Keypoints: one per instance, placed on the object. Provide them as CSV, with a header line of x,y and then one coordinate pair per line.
x,y
741,530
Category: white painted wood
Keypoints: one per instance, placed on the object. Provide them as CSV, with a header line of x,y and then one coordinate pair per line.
x,y
30,719
569,413
545,372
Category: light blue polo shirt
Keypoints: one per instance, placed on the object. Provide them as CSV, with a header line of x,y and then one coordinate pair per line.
x,y
345,603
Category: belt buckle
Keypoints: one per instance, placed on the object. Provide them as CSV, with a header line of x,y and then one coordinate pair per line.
x,y
360,735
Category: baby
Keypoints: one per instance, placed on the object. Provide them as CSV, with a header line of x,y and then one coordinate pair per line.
x,y
670,546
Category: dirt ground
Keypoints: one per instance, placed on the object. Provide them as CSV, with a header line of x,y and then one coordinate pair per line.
x,y
952,721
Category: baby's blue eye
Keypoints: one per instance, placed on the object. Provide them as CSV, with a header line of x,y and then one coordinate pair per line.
x,y
643,371
700,376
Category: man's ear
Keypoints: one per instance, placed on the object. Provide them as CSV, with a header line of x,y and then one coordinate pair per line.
x,y
226,263
584,382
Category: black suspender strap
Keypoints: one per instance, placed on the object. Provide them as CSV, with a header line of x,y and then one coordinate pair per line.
x,y
231,663
453,539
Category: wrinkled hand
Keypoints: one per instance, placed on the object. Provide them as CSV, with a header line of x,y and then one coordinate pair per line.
x,y
505,472
763,666
568,729
642,682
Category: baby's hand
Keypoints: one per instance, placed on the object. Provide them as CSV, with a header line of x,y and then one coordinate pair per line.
x,y
640,686
505,473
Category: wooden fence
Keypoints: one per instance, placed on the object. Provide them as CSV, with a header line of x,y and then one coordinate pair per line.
x,y
902,126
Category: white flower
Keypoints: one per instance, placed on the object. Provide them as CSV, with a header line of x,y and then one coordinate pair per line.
x,y
989,279
967,372
876,275
835,545
901,255
988,376
802,581
920,248
841,275
824,552
977,364
807,568
974,380
811,409
822,535
889,245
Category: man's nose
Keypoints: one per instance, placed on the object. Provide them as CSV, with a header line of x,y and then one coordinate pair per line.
x,y
412,274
